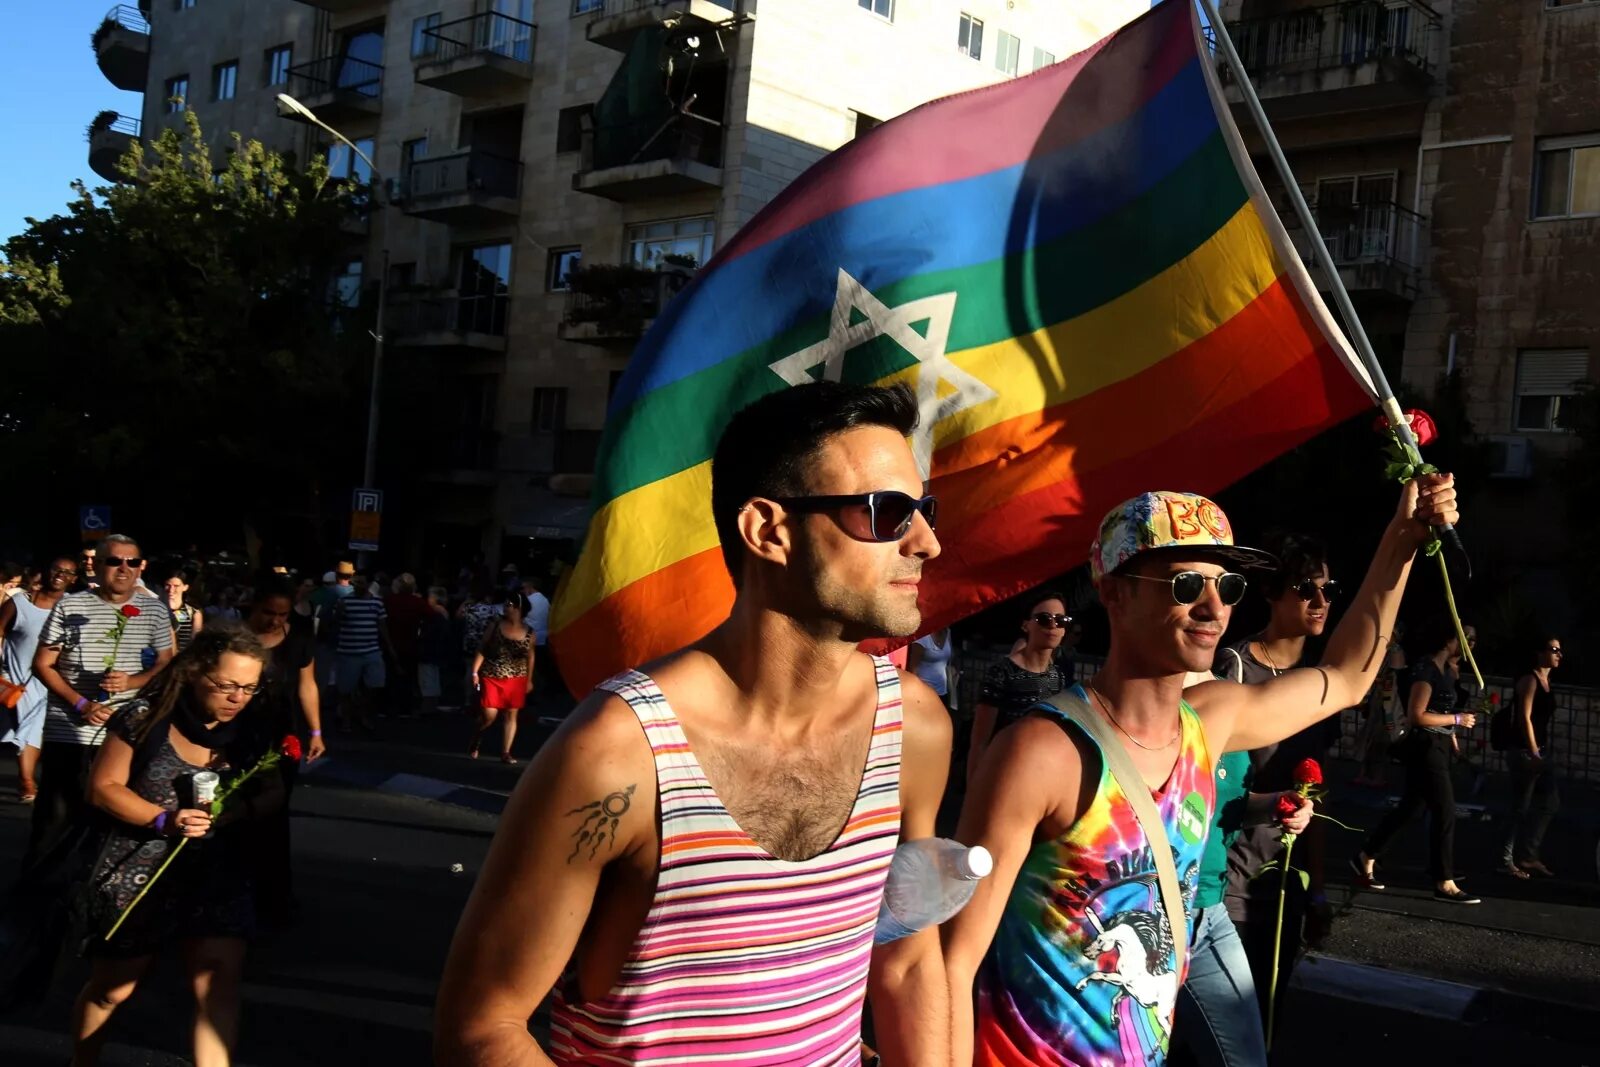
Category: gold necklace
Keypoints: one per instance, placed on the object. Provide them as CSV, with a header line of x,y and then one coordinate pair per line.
x,y
1148,748
1273,667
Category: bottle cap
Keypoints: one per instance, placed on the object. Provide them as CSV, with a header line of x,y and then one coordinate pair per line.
x,y
977,862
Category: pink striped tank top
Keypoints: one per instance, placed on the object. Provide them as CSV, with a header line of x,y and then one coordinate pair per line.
x,y
743,958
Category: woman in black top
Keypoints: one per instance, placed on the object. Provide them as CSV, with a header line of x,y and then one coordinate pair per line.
x,y
1534,799
1427,754
1024,678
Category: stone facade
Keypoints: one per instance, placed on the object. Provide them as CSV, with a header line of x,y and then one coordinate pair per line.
x,y
800,74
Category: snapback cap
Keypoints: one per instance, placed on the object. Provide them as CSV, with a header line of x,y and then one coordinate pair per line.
x,y
1167,521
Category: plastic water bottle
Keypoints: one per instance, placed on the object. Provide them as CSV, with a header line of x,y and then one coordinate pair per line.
x,y
929,880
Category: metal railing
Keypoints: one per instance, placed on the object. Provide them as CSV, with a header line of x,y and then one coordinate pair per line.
x,y
601,8
129,18
621,298
672,136
488,33
121,124
433,311
341,73
1380,239
472,171
1337,35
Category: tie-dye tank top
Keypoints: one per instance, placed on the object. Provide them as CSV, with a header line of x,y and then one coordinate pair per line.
x,y
1082,971
743,958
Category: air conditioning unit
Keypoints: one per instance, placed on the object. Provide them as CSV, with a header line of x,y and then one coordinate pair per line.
x,y
1510,456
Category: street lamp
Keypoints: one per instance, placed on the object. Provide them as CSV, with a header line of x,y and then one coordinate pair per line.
x,y
369,468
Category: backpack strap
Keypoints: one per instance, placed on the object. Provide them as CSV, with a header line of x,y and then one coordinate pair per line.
x,y
1131,782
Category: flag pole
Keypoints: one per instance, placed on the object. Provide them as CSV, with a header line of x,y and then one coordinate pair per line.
x,y
1319,248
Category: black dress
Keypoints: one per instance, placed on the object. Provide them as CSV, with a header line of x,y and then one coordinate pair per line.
x,y
205,893
281,715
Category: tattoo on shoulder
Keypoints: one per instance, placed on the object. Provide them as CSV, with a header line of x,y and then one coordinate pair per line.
x,y
597,826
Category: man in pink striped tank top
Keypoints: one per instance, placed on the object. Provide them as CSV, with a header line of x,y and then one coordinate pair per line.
x,y
1067,956
691,869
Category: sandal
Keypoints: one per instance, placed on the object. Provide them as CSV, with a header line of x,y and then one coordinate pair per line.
x,y
508,759
1514,871
472,753
1538,867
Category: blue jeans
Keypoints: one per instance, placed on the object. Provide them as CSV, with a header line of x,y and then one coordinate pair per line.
x,y
1218,1023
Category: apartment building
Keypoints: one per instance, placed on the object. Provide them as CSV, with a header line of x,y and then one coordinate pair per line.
x,y
551,172
1451,152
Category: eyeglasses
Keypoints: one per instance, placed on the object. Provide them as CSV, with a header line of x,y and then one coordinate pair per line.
x,y
229,689
1555,652
1190,586
64,572
1052,620
1309,588
889,511
131,562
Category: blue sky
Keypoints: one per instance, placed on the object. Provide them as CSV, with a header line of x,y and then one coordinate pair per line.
x,y
55,90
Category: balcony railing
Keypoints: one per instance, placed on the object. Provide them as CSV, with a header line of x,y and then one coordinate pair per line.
x,y
605,8
614,302
432,312
473,171
1337,35
341,74
128,17
488,33
1375,246
127,124
674,137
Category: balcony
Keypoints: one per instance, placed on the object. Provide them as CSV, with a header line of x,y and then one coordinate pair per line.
x,y
612,305
1375,246
344,7
482,55
469,457
446,322
615,23
110,136
337,88
1339,57
122,48
645,160
471,188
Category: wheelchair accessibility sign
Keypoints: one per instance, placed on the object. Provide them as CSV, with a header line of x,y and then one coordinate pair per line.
x,y
94,521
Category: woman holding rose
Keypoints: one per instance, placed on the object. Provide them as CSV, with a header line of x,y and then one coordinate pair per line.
x,y
189,719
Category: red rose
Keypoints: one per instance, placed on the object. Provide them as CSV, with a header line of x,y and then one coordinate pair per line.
x,y
130,611
1308,772
1287,805
1423,427
1494,698
290,747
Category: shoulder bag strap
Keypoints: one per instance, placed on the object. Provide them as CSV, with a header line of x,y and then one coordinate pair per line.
x,y
1132,784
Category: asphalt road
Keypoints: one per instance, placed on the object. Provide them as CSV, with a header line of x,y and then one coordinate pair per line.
x,y
1402,980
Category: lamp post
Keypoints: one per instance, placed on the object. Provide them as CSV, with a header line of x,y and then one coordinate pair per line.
x,y
369,467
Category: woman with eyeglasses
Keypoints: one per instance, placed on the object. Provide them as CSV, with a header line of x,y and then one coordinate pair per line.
x,y
192,717
1426,755
187,620
1526,740
1022,679
501,670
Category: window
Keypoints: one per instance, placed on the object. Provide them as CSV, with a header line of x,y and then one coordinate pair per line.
x,y
347,285
1007,53
1548,381
650,243
1042,59
277,62
177,94
1566,178
569,127
179,5
346,165
424,44
549,409
483,289
881,8
558,270
583,7
865,123
402,275
225,80
411,151
970,38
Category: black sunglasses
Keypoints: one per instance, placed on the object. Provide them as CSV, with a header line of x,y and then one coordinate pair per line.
x,y
1555,652
1309,588
1190,586
133,562
1052,620
889,511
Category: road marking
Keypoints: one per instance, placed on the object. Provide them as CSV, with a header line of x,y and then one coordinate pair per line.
x,y
1384,987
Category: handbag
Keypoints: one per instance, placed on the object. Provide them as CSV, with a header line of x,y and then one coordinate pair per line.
x,y
1131,782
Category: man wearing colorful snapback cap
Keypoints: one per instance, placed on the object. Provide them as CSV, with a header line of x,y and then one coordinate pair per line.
x,y
1067,954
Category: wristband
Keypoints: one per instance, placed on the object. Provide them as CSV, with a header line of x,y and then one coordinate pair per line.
x,y
82,703
316,733
160,823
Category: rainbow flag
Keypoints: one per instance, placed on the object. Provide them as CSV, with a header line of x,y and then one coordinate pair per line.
x,y
1079,274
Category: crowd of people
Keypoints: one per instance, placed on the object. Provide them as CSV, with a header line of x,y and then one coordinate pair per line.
x,y
725,817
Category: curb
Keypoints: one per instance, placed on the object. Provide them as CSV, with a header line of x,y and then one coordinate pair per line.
x,y
409,785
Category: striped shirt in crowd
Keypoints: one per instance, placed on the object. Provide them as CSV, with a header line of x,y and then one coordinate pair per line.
x,y
84,626
742,958
359,619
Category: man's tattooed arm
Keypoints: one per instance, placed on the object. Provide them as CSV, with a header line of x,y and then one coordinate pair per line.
x,y
597,824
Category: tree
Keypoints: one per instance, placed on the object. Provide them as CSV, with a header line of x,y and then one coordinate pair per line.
x,y
172,346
